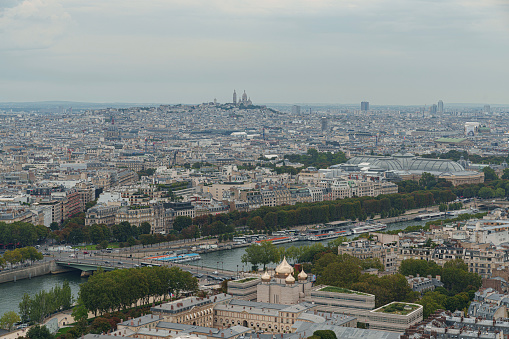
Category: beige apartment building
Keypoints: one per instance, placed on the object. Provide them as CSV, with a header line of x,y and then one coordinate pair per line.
x,y
276,197
365,249
101,215
341,189
156,215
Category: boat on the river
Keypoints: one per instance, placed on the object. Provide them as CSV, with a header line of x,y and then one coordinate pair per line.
x,y
328,235
369,228
278,240
177,258
429,216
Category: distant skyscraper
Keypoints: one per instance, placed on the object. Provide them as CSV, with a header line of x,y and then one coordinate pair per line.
x,y
324,124
234,97
295,109
433,109
440,106
365,106
487,109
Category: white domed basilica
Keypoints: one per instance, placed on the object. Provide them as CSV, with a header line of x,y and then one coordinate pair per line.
x,y
245,101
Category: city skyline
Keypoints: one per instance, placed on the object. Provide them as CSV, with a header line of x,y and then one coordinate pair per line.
x,y
393,52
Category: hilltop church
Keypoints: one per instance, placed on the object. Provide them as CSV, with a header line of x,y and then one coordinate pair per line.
x,y
244,102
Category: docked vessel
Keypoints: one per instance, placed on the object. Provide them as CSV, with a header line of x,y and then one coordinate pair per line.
x,y
328,235
429,216
369,228
177,258
278,240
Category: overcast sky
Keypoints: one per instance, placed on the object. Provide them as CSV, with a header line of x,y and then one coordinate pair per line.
x,y
286,51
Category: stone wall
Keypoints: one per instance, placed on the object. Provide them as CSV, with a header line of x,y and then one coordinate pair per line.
x,y
35,270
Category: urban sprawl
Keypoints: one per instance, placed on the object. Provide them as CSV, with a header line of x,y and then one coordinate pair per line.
x,y
137,194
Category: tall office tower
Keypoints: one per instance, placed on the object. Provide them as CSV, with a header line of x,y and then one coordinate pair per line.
x,y
365,106
295,109
324,124
234,97
440,106
433,109
487,109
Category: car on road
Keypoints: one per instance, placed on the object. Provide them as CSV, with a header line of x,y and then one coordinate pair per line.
x,y
215,272
106,262
85,252
120,263
136,265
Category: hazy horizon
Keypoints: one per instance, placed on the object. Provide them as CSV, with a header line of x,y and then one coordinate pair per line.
x,y
288,51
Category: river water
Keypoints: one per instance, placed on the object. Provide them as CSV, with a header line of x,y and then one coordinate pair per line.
x,y
11,293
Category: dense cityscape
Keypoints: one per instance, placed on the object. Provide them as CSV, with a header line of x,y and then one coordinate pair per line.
x,y
141,195
270,169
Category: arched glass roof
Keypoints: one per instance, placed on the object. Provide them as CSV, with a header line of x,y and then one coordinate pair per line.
x,y
408,162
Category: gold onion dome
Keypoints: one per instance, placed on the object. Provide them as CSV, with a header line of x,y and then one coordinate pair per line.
x,y
302,275
284,267
290,279
265,277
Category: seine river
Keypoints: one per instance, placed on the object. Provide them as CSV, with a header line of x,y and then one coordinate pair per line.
x,y
11,293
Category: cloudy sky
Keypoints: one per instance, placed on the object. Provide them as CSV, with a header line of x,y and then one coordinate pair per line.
x,y
286,51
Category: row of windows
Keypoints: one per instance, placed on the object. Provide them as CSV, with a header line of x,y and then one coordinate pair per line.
x,y
226,322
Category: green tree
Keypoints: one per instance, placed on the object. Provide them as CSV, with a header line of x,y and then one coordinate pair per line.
x,y
486,193
431,302
8,319
80,312
39,332
419,267
489,174
24,307
499,192
100,325
103,245
325,334
54,226
182,222
256,223
90,204
145,228
427,180
505,175
264,254
98,233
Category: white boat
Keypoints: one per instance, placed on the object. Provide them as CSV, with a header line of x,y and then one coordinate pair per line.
x,y
369,228
177,258
328,235
429,216
278,240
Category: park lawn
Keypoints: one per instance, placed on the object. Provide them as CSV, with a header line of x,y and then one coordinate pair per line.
x,y
94,247
63,331
340,290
